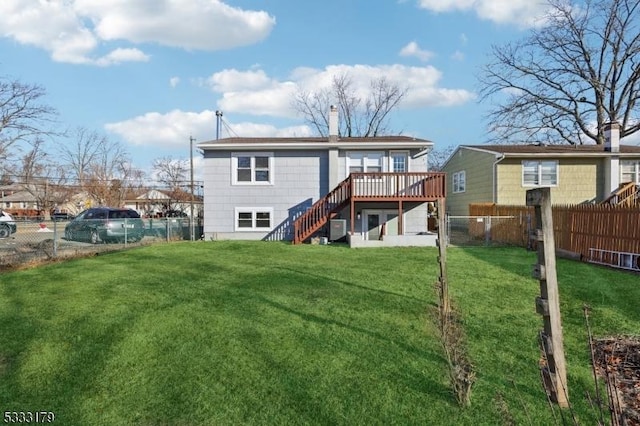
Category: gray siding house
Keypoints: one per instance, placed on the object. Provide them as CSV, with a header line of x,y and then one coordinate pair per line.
x,y
371,191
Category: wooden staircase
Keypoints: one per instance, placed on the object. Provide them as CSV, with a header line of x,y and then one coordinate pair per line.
x,y
627,194
321,211
369,187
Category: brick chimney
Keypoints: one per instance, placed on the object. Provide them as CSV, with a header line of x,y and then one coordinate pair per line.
x,y
333,123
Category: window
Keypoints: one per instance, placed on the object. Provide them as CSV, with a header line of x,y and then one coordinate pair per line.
x,y
539,173
367,162
630,171
252,168
459,181
399,162
253,218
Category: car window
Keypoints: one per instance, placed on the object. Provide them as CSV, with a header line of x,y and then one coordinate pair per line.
x,y
123,214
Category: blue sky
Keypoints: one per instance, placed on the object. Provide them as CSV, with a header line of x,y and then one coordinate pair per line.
x,y
150,73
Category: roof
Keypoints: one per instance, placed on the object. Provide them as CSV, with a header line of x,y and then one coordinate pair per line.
x,y
548,151
564,150
316,143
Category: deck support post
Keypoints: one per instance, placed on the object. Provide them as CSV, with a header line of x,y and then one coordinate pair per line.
x,y
400,216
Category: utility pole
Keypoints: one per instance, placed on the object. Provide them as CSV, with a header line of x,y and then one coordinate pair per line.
x,y
191,218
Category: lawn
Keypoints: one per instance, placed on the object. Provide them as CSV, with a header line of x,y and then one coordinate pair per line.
x,y
270,333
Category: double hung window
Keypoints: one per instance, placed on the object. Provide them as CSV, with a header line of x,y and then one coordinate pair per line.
x,y
630,171
539,173
459,182
252,168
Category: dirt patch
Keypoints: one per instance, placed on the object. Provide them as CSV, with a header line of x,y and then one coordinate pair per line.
x,y
617,360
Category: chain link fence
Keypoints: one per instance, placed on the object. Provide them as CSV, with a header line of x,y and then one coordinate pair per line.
x,y
35,241
488,230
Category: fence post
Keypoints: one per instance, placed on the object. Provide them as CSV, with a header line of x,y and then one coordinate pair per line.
x,y
548,303
442,259
487,231
55,238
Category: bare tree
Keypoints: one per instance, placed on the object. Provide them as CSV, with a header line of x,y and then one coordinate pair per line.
x,y
43,178
81,153
569,77
359,116
23,118
171,172
439,156
108,174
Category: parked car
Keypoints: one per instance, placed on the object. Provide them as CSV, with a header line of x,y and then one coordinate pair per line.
x,y
104,224
7,224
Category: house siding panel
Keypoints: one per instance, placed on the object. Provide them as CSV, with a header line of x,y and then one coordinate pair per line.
x,y
478,168
300,178
577,182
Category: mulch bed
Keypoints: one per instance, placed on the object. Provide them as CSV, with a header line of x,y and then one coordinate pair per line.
x,y
617,360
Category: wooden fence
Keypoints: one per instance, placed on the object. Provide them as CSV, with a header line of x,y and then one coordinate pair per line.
x,y
577,228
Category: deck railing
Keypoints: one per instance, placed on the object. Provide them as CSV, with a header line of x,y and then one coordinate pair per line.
x,y
426,186
626,195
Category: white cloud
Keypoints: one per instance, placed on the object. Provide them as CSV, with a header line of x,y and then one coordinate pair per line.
x,y
457,56
522,13
174,81
412,49
118,56
231,80
167,130
72,30
173,129
253,92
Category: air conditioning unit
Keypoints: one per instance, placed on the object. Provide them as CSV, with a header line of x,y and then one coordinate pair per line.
x,y
337,229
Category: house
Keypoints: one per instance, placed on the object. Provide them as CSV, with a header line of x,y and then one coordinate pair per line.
x,y
577,174
154,202
18,202
370,191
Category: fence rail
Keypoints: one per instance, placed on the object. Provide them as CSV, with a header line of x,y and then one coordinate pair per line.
x,y
577,228
35,241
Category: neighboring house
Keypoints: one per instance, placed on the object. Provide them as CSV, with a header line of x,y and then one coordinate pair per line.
x,y
372,191
502,174
156,203
18,202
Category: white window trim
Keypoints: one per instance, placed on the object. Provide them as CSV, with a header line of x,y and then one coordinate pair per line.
x,y
253,211
636,169
383,164
539,170
405,153
234,168
459,189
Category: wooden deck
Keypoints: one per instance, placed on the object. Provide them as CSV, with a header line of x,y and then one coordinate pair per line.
x,y
370,187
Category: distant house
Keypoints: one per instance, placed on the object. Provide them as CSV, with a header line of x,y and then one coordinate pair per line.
x,y
154,202
368,190
18,202
502,174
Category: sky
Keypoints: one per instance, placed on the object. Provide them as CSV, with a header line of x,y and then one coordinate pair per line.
x,y
152,73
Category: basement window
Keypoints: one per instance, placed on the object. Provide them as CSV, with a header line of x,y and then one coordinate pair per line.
x,y
253,218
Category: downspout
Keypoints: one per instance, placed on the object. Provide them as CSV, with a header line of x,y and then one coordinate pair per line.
x,y
499,158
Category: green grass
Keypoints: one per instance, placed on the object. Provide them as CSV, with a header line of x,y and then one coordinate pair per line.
x,y
269,333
